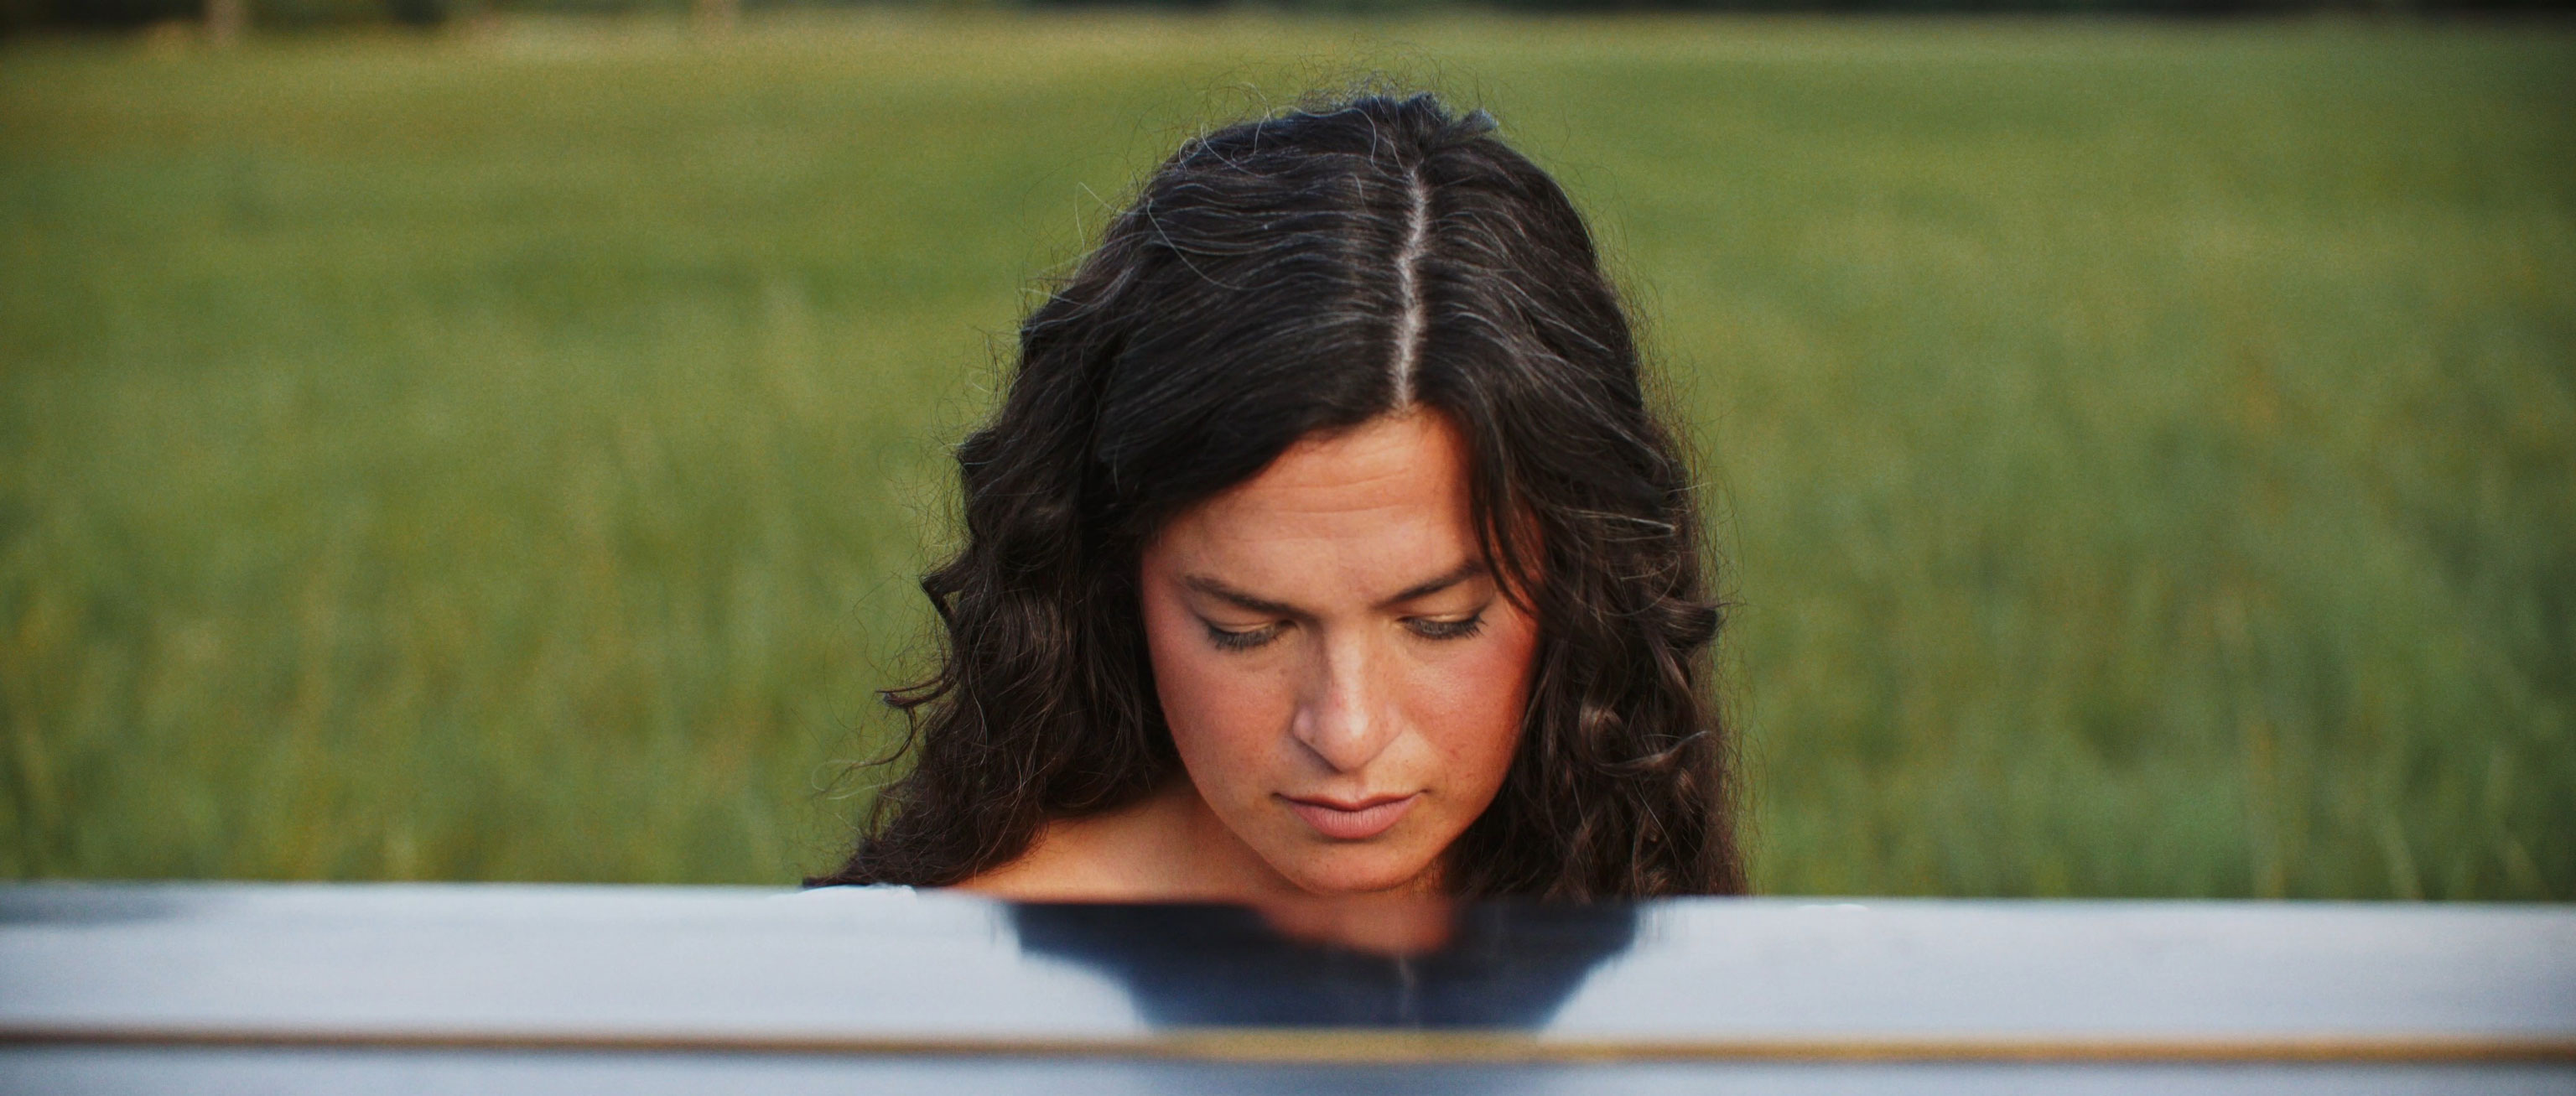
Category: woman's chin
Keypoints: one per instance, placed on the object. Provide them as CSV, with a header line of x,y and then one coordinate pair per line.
x,y
1356,870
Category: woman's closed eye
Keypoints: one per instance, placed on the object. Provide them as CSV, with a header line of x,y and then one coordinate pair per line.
x,y
1433,628
1242,639
1450,628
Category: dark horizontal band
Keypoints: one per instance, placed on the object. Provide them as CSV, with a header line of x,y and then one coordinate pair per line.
x,y
1362,1046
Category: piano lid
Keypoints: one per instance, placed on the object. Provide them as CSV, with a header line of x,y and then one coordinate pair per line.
x,y
895,971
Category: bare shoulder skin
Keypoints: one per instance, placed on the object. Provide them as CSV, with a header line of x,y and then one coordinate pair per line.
x,y
1171,847
1167,847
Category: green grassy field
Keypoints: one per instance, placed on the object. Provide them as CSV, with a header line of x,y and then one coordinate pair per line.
x,y
2146,453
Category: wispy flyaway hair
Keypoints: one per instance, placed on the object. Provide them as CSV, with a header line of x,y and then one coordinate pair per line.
x,y
1274,279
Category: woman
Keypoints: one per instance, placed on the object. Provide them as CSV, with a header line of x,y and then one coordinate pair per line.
x,y
1324,542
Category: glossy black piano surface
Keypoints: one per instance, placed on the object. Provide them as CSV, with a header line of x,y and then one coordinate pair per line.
x,y
433,988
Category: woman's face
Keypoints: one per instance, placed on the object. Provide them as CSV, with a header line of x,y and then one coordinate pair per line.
x,y
1342,676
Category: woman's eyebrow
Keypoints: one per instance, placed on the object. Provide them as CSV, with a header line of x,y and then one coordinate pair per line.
x,y
1461,573
1222,592
1218,589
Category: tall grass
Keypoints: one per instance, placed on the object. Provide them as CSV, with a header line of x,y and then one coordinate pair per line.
x,y
2146,454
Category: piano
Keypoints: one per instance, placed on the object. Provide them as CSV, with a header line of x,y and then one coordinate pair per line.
x,y
489,988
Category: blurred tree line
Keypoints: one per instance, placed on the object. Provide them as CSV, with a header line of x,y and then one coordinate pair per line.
x,y
24,15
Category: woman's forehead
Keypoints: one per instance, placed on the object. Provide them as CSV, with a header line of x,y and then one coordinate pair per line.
x,y
1382,504
1408,467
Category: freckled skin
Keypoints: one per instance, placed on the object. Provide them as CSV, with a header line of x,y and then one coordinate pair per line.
x,y
1339,688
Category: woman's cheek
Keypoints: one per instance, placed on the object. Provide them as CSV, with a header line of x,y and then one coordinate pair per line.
x,y
1222,716
1477,704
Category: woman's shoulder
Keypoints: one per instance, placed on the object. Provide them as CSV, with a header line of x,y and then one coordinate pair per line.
x,y
1075,859
1134,853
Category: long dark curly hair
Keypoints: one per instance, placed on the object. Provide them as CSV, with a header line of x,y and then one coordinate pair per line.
x,y
1309,272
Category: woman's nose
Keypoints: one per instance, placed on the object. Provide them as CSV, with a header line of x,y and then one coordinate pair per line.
x,y
1344,715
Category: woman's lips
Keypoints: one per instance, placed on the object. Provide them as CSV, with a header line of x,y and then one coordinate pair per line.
x,y
1346,821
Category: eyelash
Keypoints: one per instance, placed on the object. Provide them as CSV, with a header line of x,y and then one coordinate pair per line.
x,y
1428,629
1450,629
1241,641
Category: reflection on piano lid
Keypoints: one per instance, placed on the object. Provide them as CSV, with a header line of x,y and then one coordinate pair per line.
x,y
1399,964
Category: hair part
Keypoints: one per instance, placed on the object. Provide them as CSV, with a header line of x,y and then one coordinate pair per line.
x,y
1274,279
